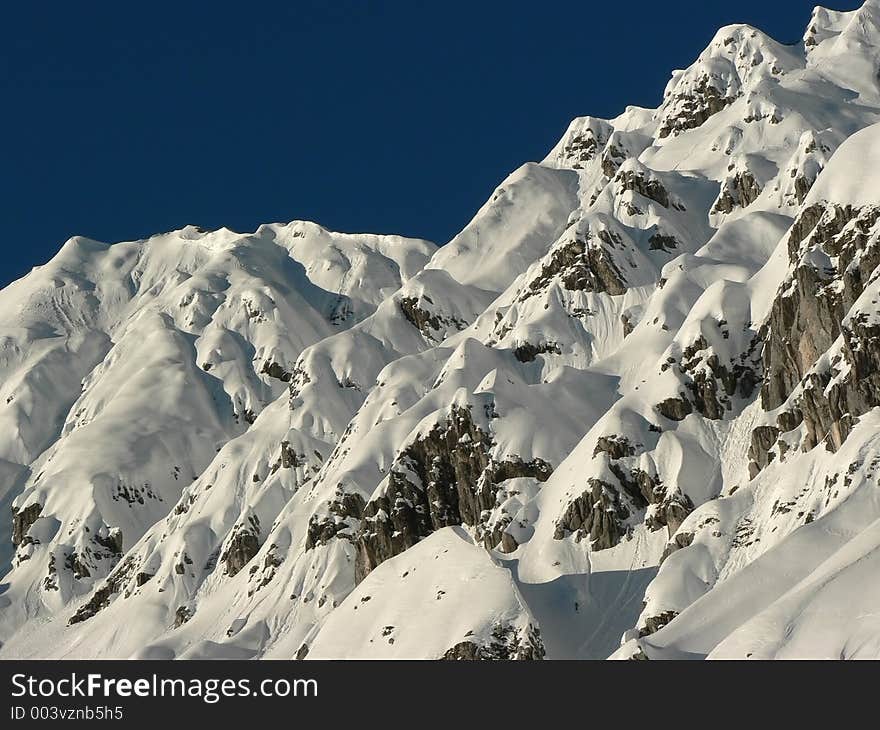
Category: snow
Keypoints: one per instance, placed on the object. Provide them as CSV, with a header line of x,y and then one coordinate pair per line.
x,y
170,401
852,172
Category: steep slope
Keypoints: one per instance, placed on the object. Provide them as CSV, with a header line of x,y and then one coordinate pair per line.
x,y
628,410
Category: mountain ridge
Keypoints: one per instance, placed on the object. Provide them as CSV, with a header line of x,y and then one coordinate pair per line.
x,y
625,412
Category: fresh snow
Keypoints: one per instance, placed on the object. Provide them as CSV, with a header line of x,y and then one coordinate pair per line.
x,y
538,439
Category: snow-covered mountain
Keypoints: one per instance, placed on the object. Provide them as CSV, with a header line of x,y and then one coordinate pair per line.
x,y
631,410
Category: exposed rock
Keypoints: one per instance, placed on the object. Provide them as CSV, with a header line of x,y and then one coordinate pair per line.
x,y
22,519
274,370
679,540
806,314
712,383
344,513
835,251
602,512
443,478
645,185
299,379
102,597
612,158
241,548
527,352
617,447
662,242
580,267
655,623
506,644
691,109
738,191
288,456
182,615
427,322
675,409
112,542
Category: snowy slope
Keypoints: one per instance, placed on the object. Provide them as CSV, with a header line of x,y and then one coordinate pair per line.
x,y
630,410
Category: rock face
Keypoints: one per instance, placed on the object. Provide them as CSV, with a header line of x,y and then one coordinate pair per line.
x,y
431,324
712,383
507,644
22,519
739,190
604,512
581,266
443,478
243,546
834,252
691,108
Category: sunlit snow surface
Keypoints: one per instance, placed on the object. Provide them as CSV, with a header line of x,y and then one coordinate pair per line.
x,y
192,425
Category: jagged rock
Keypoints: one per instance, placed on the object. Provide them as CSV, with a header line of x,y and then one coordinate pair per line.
x,y
617,447
240,550
806,314
601,513
274,370
580,267
612,158
288,456
506,644
691,110
428,323
653,624
443,478
598,514
22,519
675,409
298,380
712,383
662,242
182,615
762,440
344,513
738,191
643,184
527,352
679,540
112,542
102,596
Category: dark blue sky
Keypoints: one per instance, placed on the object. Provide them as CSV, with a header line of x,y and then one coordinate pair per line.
x,y
120,121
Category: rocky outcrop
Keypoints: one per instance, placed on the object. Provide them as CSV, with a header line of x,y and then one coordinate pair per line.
x,y
833,255
431,324
527,352
22,519
835,252
580,266
712,383
692,108
444,477
583,142
602,512
103,596
739,190
644,184
506,643
342,513
653,624
274,370
676,408
241,548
